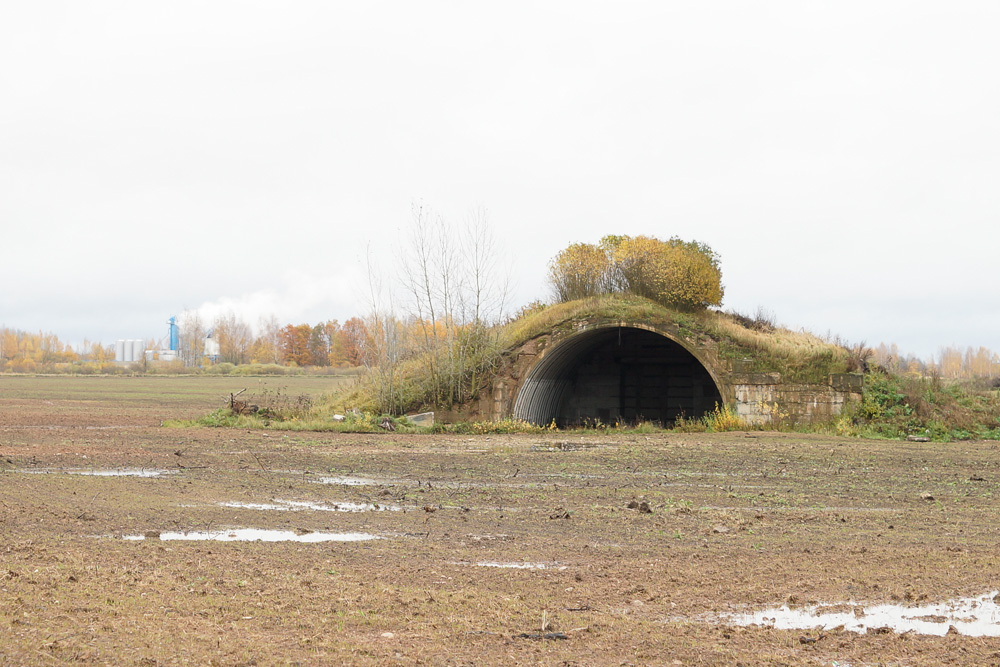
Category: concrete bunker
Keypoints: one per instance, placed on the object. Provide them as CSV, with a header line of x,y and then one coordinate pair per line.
x,y
616,373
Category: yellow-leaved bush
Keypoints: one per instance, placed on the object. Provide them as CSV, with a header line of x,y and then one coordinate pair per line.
x,y
675,273
578,271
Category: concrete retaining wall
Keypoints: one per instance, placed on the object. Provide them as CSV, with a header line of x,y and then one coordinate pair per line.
x,y
765,399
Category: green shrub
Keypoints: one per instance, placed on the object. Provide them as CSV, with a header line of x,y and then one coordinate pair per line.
x,y
897,406
224,417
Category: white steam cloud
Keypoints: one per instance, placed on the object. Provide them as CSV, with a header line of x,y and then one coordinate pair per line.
x,y
297,297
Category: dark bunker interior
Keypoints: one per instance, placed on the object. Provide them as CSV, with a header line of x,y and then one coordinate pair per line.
x,y
616,374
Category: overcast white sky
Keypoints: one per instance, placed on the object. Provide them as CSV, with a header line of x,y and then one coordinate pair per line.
x,y
842,157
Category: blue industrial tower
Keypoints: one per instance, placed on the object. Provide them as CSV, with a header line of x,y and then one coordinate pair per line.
x,y
173,334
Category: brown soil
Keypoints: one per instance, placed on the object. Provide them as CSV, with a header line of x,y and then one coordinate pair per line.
x,y
735,522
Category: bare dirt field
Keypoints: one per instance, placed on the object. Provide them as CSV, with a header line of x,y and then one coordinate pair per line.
x,y
562,549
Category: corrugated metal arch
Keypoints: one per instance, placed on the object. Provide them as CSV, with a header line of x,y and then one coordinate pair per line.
x,y
546,384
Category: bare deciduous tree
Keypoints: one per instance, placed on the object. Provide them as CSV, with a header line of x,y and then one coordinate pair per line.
x,y
458,294
192,337
383,344
235,338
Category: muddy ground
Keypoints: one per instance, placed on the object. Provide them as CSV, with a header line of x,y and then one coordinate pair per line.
x,y
629,549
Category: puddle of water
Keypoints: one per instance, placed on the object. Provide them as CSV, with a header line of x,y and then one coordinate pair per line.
x,y
515,566
294,506
53,427
976,617
364,481
256,535
568,447
565,475
444,484
121,472
802,509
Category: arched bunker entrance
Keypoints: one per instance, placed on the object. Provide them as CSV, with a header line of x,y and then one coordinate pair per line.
x,y
619,373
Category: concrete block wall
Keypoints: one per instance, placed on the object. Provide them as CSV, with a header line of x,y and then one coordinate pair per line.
x,y
766,400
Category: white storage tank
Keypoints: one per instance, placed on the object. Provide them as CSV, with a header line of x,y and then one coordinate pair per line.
x,y
120,350
138,350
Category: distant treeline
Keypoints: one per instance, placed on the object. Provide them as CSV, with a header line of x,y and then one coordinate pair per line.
x,y
327,344
331,344
951,363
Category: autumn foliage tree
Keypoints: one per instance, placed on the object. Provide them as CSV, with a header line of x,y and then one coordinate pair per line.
x,y
579,271
294,345
679,274
352,338
34,352
327,345
324,344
